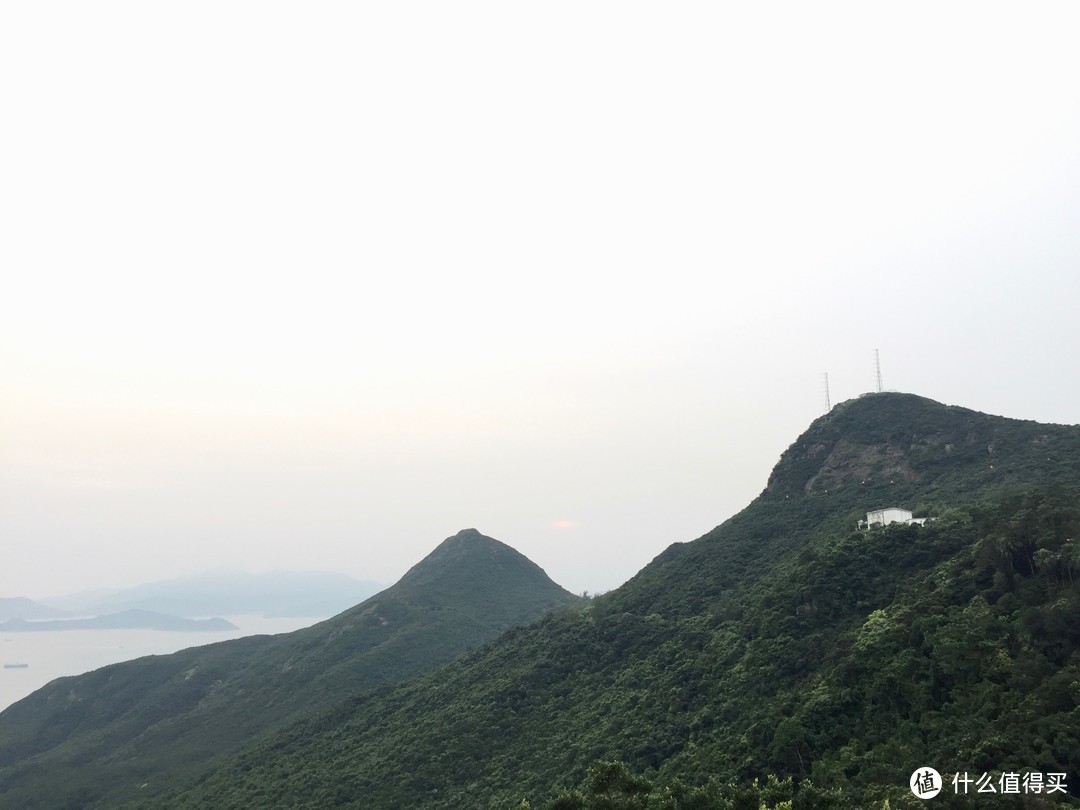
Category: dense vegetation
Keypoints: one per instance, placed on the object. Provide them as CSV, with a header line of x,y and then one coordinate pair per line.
x,y
973,667
783,660
135,728
782,649
845,670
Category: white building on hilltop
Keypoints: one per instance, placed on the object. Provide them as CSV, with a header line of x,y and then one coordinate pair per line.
x,y
892,514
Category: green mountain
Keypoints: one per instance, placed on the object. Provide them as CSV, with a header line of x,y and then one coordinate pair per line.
x,y
132,729
786,656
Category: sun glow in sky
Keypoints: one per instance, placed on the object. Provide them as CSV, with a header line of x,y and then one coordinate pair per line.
x,y
318,285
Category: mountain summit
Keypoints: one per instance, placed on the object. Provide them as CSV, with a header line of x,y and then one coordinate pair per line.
x,y
494,583
162,720
911,444
875,451
471,559
459,554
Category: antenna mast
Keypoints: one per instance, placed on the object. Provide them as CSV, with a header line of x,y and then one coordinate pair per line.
x,y
828,401
877,364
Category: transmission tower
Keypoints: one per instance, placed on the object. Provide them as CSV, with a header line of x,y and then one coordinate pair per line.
x,y
828,400
877,364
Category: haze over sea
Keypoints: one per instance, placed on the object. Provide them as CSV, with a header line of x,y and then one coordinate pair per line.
x,y
58,653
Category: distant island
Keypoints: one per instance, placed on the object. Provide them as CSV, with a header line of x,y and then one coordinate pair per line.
x,y
124,620
225,593
22,608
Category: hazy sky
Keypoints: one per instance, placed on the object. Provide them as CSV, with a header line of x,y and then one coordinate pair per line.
x,y
316,285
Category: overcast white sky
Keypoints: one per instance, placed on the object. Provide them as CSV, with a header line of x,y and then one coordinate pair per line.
x,y
316,285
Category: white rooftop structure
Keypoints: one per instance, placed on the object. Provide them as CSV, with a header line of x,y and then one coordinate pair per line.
x,y
891,514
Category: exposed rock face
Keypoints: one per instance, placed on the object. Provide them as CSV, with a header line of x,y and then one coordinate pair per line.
x,y
892,438
848,462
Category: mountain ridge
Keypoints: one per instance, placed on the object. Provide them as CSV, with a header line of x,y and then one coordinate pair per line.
x,y
222,695
784,643
803,496
784,656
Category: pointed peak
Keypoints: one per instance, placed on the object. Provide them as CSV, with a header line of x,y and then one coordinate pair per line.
x,y
470,559
467,538
466,533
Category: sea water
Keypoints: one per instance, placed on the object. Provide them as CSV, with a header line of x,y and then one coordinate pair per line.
x,y
54,653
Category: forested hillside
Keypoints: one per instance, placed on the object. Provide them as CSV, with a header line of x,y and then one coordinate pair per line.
x,y
143,726
785,656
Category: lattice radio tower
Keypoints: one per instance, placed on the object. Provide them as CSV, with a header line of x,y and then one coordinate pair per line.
x,y
877,365
828,401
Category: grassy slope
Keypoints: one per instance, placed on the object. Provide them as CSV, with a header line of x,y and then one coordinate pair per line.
x,y
160,720
761,647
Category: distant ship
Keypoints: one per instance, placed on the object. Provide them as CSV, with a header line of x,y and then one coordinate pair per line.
x,y
16,666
